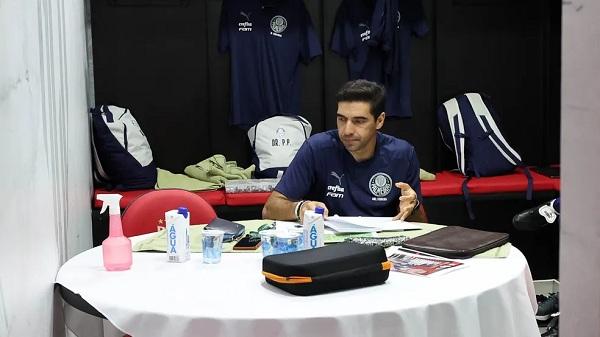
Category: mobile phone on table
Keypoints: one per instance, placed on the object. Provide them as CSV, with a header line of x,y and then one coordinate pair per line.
x,y
248,242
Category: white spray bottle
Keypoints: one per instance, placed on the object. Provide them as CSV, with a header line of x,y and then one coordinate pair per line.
x,y
116,248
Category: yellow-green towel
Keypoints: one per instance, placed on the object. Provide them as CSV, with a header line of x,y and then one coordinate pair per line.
x,y
167,179
217,170
424,175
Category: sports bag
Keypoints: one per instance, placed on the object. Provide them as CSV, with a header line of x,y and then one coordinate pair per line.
x,y
122,156
468,127
275,142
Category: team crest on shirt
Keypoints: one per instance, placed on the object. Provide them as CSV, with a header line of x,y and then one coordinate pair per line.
x,y
246,25
366,34
380,185
335,190
278,25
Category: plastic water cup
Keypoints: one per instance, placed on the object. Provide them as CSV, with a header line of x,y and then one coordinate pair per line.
x,y
269,243
212,244
300,239
288,242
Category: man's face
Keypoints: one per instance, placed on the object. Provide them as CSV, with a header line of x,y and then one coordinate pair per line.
x,y
357,128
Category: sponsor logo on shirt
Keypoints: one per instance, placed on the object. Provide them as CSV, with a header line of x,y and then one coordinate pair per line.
x,y
380,185
335,191
245,26
278,25
366,35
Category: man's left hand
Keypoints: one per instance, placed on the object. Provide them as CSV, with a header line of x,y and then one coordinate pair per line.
x,y
408,201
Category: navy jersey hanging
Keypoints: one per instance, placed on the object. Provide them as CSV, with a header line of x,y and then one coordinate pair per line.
x,y
350,39
267,41
393,24
468,127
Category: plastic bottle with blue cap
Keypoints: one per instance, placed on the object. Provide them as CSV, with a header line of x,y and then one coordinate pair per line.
x,y
313,228
116,248
178,234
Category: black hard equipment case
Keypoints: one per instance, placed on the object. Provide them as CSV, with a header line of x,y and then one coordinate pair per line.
x,y
334,267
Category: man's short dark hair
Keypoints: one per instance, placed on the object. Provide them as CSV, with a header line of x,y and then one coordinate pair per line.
x,y
363,91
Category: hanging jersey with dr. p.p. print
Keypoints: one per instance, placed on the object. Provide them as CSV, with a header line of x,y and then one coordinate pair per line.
x,y
267,40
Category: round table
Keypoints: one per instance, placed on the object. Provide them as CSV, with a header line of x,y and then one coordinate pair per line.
x,y
489,297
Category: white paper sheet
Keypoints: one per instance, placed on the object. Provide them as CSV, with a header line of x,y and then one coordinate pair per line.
x,y
366,224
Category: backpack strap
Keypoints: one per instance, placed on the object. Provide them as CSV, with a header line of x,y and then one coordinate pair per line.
x,y
485,119
467,196
107,113
255,133
304,122
458,132
487,123
529,193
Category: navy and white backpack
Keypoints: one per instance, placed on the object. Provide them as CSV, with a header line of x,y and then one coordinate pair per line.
x,y
122,156
275,142
468,127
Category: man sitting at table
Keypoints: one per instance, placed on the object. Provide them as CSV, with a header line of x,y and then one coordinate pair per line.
x,y
354,171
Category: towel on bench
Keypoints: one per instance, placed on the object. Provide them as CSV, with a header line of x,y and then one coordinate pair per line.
x,y
218,170
166,180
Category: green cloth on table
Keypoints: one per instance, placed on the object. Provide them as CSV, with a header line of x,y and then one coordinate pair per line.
x,y
218,170
166,179
158,241
498,252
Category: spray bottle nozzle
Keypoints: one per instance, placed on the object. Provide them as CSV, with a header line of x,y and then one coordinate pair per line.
x,y
111,201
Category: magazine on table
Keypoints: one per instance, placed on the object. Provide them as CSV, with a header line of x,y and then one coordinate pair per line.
x,y
418,263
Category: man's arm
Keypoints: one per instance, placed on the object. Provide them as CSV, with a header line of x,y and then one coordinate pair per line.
x,y
280,207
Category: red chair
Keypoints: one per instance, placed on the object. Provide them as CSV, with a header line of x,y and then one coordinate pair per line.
x,y
146,214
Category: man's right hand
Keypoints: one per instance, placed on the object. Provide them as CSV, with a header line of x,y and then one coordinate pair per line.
x,y
311,205
280,207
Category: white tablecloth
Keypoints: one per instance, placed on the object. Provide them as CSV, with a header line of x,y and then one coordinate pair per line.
x,y
490,297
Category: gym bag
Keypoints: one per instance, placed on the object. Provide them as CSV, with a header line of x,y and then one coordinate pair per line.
x,y
468,128
122,156
275,142
334,267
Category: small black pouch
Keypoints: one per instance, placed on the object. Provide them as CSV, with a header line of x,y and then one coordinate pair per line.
x,y
233,230
336,267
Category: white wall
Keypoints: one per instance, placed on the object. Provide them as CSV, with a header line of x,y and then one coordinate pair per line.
x,y
580,164
45,184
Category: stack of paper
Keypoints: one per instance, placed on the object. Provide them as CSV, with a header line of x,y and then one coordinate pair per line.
x,y
365,224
